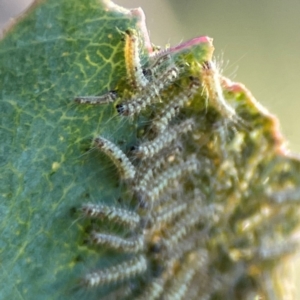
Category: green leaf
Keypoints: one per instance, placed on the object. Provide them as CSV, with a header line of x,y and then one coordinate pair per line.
x,y
61,49
58,50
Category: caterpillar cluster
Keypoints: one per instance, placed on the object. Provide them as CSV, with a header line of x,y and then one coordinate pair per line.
x,y
183,177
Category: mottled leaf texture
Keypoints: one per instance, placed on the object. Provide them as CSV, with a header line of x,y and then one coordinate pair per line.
x,y
58,50
221,244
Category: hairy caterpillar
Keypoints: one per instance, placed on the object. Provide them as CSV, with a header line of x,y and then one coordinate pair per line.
x,y
183,200
139,103
132,60
172,108
111,213
165,139
158,232
103,99
121,271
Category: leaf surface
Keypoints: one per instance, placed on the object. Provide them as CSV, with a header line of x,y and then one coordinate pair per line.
x,y
58,50
48,168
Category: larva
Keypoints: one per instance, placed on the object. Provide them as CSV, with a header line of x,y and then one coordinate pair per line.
x,y
153,167
203,288
95,100
191,218
168,178
167,214
165,139
120,272
126,168
139,103
170,110
132,245
182,280
111,213
154,290
132,60
168,155
212,87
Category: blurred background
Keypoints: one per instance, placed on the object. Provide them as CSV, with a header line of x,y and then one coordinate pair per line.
x,y
258,42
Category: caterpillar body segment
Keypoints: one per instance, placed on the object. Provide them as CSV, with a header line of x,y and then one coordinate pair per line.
x,y
132,61
116,273
109,97
149,96
167,215
158,64
153,291
126,168
111,213
181,281
161,122
153,167
165,139
169,178
211,81
168,155
190,218
132,245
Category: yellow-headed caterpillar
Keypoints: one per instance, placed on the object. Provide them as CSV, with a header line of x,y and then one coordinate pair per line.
x,y
168,178
211,81
134,69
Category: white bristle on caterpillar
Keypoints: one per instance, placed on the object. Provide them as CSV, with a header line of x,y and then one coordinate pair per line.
x,y
132,245
126,168
132,60
152,167
154,290
111,213
167,215
119,272
165,139
168,155
109,97
211,82
180,283
191,218
170,110
167,178
139,103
